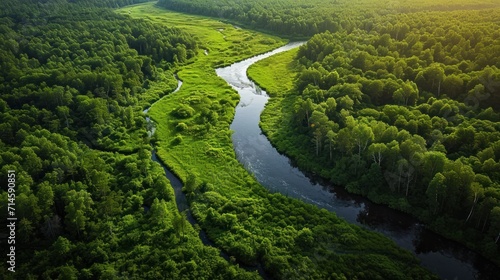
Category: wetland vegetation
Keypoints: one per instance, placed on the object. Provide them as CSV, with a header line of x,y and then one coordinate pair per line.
x,y
374,92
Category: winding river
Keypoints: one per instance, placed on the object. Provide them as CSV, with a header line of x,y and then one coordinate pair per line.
x,y
275,171
180,197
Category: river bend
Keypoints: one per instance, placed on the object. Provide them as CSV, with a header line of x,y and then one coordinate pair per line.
x,y
275,171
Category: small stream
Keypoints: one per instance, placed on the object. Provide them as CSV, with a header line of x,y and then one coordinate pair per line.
x,y
180,197
275,171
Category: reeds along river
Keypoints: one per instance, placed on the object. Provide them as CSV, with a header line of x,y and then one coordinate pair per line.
x,y
446,258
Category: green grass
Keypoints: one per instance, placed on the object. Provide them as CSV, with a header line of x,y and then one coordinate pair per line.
x,y
276,73
240,215
165,83
225,45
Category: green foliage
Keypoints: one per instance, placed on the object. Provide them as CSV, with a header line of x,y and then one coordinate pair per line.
x,y
308,17
80,82
93,205
90,202
184,111
78,204
181,126
415,129
240,216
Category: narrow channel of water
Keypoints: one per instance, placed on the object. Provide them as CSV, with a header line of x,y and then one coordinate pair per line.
x,y
275,171
180,197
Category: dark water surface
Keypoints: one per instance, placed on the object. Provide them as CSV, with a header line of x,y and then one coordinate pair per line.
x,y
181,200
446,258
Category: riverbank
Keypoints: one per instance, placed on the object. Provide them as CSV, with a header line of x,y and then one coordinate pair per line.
x,y
289,237
278,113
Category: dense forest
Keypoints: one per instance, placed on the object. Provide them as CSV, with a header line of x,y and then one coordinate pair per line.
x,y
55,58
72,91
90,202
411,118
287,238
304,18
398,102
405,112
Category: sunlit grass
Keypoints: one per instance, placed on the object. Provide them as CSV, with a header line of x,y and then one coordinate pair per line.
x,y
275,75
225,43
206,151
210,157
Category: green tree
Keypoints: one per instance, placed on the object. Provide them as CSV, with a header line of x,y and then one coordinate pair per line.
x,y
331,106
45,196
32,163
190,185
305,238
433,162
431,78
477,193
407,94
304,108
345,141
26,230
180,224
436,192
377,151
330,139
362,135
78,209
453,86
159,212
28,207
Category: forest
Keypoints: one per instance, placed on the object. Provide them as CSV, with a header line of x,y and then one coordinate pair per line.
x,y
396,101
72,94
304,18
91,203
287,238
405,113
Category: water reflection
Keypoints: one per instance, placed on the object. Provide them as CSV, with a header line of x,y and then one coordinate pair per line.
x,y
448,259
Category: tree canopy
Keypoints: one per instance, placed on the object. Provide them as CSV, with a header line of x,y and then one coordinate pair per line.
x,y
406,112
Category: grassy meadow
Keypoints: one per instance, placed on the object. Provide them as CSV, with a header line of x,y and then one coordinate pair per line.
x,y
201,154
275,75
278,83
193,138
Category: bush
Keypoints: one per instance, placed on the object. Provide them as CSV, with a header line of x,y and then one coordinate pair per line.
x,y
181,126
184,111
177,140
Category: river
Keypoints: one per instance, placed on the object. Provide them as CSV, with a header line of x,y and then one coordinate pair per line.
x,y
275,171
180,197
